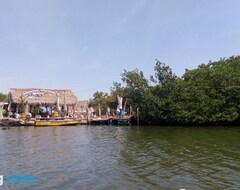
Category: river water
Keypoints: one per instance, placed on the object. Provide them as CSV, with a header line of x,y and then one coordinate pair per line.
x,y
109,157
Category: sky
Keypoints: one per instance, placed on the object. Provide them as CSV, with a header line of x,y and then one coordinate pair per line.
x,y
85,45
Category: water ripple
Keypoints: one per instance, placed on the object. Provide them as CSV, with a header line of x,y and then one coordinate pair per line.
x,y
107,157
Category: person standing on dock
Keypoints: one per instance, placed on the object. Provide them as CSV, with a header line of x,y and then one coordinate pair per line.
x,y
120,106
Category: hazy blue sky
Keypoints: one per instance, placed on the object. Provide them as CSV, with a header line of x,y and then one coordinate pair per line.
x,y
84,45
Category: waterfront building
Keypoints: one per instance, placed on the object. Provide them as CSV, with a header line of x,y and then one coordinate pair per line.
x,y
41,101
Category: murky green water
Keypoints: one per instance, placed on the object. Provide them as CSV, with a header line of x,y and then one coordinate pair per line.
x,y
107,157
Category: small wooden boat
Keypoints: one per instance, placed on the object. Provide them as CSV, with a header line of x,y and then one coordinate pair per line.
x,y
8,121
45,122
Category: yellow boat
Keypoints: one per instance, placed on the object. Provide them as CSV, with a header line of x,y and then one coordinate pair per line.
x,y
47,122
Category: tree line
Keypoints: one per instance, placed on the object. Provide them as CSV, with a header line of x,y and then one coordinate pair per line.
x,y
207,95
3,97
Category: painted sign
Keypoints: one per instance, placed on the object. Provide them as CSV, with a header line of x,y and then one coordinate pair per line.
x,y
34,95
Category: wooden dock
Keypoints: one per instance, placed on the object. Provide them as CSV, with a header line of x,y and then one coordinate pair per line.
x,y
99,121
111,121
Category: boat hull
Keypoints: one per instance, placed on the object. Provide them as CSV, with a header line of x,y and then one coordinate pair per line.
x,y
49,123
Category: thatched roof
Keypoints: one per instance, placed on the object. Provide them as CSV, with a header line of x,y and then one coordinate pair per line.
x,y
82,105
42,96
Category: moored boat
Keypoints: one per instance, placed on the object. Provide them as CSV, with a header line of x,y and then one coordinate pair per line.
x,y
48,122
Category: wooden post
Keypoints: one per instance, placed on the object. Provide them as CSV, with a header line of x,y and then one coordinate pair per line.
x,y
88,116
124,108
57,96
1,108
26,108
99,110
130,111
138,116
9,103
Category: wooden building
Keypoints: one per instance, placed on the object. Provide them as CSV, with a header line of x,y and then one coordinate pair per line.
x,y
33,100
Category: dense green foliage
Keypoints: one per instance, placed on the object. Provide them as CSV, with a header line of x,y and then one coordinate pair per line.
x,y
209,94
3,97
99,100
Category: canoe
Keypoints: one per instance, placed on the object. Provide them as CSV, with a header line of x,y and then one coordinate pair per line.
x,y
56,122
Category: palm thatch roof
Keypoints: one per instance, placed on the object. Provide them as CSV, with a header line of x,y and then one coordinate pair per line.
x,y
42,96
82,105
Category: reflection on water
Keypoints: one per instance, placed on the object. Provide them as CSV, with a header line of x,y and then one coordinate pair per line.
x,y
107,157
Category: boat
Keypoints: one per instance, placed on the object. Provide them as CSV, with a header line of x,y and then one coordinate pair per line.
x,y
48,122
8,121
